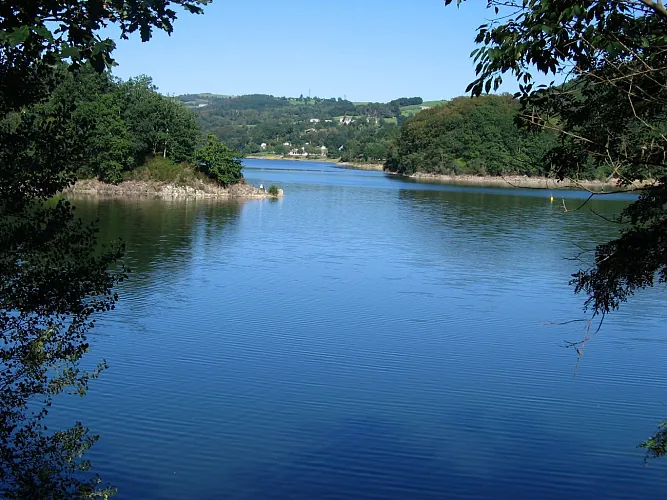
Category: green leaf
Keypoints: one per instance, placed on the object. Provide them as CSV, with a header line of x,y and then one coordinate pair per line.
x,y
43,32
71,52
17,36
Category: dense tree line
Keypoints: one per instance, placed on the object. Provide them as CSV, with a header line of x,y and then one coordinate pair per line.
x,y
352,132
469,136
118,125
122,124
406,101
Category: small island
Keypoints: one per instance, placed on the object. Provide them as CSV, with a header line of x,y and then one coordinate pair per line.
x,y
126,139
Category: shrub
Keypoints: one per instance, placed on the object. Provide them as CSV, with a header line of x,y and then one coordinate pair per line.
x,y
219,162
273,190
164,170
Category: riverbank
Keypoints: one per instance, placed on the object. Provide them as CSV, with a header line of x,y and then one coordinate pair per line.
x,y
335,161
522,181
154,189
378,167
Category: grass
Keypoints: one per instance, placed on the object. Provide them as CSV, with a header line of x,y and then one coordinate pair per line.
x,y
265,154
164,170
416,108
432,103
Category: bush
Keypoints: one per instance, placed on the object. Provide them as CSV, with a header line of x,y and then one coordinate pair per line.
x,y
218,162
273,190
164,170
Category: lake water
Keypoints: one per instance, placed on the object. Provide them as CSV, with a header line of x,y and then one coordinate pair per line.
x,y
367,337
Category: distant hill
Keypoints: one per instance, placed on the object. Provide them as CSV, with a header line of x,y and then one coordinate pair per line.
x,y
260,123
199,100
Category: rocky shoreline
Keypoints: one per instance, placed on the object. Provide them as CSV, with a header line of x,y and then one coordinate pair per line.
x,y
152,189
378,167
334,161
523,182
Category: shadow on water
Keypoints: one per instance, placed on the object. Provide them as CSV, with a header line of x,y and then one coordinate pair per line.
x,y
374,457
477,217
161,236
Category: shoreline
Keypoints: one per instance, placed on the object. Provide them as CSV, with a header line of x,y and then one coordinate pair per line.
x,y
508,181
521,182
164,190
333,161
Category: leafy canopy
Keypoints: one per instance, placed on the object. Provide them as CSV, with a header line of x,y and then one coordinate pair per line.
x,y
53,30
469,136
219,162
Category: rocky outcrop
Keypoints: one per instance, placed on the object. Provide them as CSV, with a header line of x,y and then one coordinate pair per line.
x,y
525,182
152,189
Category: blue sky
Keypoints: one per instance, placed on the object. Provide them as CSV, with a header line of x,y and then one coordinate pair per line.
x,y
367,50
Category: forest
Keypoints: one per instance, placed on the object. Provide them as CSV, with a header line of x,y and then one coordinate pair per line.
x,y
264,123
124,129
462,136
471,136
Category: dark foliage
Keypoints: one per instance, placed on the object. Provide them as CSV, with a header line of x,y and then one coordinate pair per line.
x,y
469,136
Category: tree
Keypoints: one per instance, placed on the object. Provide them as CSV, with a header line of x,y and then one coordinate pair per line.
x,y
219,162
469,136
375,151
53,278
96,123
610,112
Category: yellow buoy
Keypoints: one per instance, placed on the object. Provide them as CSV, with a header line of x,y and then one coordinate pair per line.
x,y
552,198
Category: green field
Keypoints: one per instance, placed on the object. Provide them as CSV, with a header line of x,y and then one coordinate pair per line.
x,y
416,108
197,99
432,103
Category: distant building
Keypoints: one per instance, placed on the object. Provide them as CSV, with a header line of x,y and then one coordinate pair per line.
x,y
287,144
314,120
262,146
324,151
426,107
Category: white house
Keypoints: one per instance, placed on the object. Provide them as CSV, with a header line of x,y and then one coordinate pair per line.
x,y
314,120
262,146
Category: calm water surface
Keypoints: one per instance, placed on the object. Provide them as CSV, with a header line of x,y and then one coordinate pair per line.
x,y
367,337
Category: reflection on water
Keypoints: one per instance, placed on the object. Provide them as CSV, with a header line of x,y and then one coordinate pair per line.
x,y
161,235
366,338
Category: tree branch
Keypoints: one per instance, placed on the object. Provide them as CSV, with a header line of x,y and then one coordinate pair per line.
x,y
657,6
